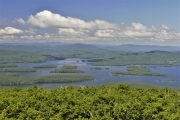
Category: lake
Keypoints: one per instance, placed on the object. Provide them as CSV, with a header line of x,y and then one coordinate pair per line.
x,y
103,76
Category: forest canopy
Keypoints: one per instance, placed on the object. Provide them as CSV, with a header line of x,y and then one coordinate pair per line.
x,y
93,103
15,79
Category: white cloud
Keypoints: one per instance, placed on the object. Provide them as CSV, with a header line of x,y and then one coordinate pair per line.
x,y
47,19
69,29
131,33
70,32
47,35
165,35
30,31
104,33
136,30
27,37
100,24
38,36
10,31
137,27
164,27
6,37
21,21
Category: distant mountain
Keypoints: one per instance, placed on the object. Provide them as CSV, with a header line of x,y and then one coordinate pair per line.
x,y
48,45
142,48
36,44
79,46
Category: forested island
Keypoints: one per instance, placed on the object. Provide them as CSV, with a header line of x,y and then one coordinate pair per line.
x,y
18,70
118,102
67,71
8,65
69,67
14,79
45,66
138,71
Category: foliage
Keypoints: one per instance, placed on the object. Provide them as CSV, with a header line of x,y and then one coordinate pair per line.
x,y
139,85
45,66
67,71
138,70
98,57
146,58
10,79
18,70
8,65
16,56
93,103
69,67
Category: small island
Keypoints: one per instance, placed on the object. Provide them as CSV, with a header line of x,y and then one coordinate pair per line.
x,y
18,70
45,66
67,71
138,71
8,65
69,67
12,79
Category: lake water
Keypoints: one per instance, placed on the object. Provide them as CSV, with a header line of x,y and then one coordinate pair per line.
x,y
102,76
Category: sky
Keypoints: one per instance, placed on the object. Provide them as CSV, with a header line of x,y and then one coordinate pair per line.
x,y
144,22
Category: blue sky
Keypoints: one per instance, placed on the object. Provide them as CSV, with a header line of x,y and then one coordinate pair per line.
x,y
91,21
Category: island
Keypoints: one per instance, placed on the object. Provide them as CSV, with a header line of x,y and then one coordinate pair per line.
x,y
67,69
8,65
18,70
138,71
13,79
45,66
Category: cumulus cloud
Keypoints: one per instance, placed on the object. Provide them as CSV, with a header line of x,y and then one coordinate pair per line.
x,y
47,19
5,37
70,32
137,27
10,31
136,30
164,27
30,31
47,35
133,30
105,33
21,21
38,36
73,29
26,37
165,35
